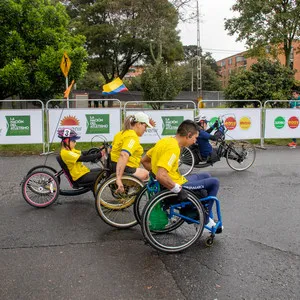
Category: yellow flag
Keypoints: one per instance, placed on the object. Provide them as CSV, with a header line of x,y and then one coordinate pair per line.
x,y
68,90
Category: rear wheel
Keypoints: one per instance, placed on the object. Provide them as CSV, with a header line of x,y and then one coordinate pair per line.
x,y
43,168
117,209
170,226
186,161
240,155
40,189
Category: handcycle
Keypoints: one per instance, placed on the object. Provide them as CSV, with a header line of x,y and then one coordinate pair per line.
x,y
42,184
171,226
240,155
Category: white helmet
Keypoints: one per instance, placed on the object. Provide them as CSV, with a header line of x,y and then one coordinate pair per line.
x,y
200,119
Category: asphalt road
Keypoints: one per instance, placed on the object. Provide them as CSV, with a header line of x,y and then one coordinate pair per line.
x,y
67,252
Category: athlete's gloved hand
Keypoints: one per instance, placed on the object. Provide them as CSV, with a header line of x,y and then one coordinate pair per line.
x,y
216,124
182,195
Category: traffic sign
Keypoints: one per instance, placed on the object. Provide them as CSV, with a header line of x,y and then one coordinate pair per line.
x,y
65,64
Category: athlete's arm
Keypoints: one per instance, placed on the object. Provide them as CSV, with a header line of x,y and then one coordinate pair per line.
x,y
121,165
146,162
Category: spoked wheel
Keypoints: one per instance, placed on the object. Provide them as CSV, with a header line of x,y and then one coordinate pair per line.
x,y
117,209
40,189
186,161
140,202
43,168
103,175
172,227
240,155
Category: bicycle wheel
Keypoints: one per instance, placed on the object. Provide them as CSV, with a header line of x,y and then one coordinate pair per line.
x,y
240,155
40,189
186,161
189,215
141,200
117,209
103,175
43,168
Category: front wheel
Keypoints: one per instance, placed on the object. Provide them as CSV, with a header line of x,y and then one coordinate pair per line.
x,y
114,208
240,155
186,161
40,188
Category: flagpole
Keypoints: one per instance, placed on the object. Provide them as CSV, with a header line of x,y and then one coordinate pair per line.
x,y
67,84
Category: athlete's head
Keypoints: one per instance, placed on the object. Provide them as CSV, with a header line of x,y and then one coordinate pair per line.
x,y
188,131
139,122
68,137
201,121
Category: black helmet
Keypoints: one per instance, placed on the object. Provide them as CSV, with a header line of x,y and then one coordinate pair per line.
x,y
64,133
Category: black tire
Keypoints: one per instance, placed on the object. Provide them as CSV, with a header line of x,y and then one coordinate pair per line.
x,y
173,236
186,161
141,200
240,155
117,209
40,189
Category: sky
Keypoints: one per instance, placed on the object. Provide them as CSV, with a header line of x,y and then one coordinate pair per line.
x,y
213,37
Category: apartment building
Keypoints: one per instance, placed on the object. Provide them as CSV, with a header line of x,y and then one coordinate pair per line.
x,y
235,62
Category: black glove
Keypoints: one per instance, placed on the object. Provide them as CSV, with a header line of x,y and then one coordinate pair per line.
x,y
182,195
216,124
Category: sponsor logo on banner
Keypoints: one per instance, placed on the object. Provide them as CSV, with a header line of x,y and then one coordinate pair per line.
x,y
293,122
230,123
171,124
71,122
279,122
245,123
18,125
97,123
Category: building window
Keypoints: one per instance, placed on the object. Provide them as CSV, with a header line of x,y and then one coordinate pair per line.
x,y
223,63
240,58
230,61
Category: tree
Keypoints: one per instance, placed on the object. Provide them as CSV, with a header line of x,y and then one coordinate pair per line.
x,y
160,83
33,37
265,23
121,32
266,80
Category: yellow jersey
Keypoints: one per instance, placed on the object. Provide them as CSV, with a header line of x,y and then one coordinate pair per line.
x,y
127,140
165,154
76,169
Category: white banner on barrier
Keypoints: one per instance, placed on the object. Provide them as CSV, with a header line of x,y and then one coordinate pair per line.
x,y
242,123
282,123
21,126
86,122
167,122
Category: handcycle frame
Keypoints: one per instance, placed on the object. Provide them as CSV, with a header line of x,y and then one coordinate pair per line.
x,y
43,175
235,157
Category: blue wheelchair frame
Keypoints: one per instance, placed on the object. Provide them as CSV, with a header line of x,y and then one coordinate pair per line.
x,y
153,187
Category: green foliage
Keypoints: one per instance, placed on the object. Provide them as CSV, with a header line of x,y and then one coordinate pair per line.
x,y
264,23
33,37
266,80
161,83
91,81
121,32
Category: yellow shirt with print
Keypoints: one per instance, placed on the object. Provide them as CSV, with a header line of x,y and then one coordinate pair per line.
x,y
127,140
76,168
165,154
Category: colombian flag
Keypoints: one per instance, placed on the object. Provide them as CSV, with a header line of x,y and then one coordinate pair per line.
x,y
114,87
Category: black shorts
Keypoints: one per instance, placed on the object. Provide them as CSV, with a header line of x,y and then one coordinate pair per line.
x,y
128,170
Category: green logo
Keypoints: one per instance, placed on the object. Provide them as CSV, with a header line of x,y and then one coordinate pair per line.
x,y
170,125
279,122
18,125
97,123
